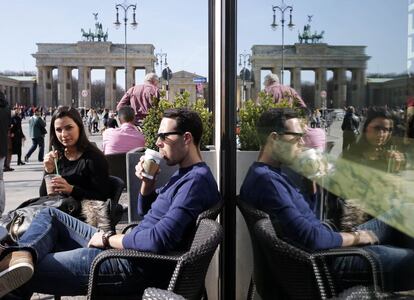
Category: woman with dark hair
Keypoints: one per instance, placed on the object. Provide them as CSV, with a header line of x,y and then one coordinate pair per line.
x,y
82,166
375,146
375,149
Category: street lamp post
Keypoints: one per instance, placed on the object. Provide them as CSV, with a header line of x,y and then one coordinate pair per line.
x,y
282,9
134,25
160,56
244,59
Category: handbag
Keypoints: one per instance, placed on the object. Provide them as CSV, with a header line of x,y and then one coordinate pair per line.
x,y
17,221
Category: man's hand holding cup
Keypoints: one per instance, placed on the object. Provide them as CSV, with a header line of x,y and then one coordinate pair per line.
x,y
147,169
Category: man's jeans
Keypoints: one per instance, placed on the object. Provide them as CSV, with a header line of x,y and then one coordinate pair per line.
x,y
395,253
62,259
40,141
2,190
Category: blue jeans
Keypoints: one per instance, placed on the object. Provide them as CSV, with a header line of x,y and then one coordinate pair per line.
x,y
58,243
395,253
39,141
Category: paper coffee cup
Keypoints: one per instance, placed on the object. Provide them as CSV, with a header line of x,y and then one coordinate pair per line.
x,y
49,187
152,160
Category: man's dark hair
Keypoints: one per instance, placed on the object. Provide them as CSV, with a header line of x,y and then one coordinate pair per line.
x,y
126,114
187,121
273,120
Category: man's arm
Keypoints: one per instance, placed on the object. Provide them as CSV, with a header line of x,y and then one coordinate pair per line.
x,y
125,99
358,238
193,196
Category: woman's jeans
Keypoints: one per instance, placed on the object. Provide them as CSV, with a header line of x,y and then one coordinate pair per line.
x,y
62,259
395,253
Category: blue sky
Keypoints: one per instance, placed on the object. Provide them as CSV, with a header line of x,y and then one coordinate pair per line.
x,y
180,28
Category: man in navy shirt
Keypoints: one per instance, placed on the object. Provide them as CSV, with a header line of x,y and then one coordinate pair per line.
x,y
267,188
62,248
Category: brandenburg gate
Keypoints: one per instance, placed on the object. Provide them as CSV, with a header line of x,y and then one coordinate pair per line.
x,y
85,56
319,58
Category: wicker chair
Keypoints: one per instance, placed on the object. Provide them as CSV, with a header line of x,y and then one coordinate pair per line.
x,y
187,278
305,275
115,209
117,165
158,294
365,293
258,281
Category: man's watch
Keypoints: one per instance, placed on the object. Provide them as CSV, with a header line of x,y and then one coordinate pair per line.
x,y
105,238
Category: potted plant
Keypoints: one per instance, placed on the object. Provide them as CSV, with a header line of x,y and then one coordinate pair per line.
x,y
153,119
250,113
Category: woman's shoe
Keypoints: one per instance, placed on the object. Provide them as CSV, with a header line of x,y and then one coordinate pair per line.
x,y
7,169
16,268
20,163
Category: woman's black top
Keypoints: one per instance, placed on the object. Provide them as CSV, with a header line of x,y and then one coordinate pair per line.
x,y
88,175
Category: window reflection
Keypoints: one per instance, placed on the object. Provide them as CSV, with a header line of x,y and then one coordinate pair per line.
x,y
355,163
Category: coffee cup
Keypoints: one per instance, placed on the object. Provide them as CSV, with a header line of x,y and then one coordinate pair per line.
x,y
49,186
151,162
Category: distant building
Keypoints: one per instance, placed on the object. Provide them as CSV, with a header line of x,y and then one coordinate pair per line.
x,y
20,89
191,82
388,91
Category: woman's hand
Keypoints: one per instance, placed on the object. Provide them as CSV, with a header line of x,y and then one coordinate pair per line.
x,y
49,161
96,240
397,160
60,185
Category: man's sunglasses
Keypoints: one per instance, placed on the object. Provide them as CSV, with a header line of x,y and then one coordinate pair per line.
x,y
298,134
163,135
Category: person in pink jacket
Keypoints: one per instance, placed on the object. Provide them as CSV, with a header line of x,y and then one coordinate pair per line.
x,y
140,97
279,91
124,138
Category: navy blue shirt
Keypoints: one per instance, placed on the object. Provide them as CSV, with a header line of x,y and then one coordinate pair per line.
x,y
174,210
270,190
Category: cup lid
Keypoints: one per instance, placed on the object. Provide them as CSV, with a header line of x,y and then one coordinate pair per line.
x,y
153,153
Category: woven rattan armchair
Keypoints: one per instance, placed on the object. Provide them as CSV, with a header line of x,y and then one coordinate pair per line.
x,y
158,294
305,275
115,209
259,281
187,278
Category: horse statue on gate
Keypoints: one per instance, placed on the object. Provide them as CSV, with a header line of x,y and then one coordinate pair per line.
x,y
306,34
98,34
88,36
317,37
